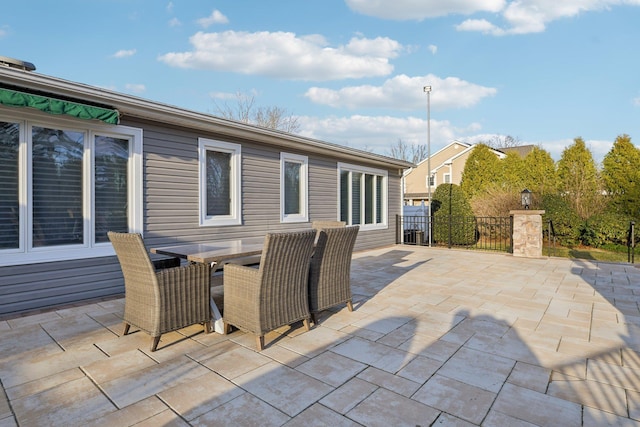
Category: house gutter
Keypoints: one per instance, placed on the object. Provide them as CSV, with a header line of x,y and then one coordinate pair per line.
x,y
140,108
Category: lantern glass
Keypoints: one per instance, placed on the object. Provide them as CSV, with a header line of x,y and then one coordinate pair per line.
x,y
526,198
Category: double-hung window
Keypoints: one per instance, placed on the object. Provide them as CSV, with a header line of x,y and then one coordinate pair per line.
x,y
294,198
363,196
220,197
64,185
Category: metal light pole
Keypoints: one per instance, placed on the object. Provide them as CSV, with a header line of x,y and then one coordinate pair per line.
x,y
427,89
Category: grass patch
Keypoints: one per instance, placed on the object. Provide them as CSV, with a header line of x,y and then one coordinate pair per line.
x,y
584,252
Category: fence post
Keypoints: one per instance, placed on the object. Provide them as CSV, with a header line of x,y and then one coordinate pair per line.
x,y
631,244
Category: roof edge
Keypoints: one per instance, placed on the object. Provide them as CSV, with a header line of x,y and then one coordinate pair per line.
x,y
136,107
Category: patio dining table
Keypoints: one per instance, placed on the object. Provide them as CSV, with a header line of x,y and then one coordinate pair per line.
x,y
216,254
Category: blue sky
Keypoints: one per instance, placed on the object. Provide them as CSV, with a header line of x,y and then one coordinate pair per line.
x,y
353,71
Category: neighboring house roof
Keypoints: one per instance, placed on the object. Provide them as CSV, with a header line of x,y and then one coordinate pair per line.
x,y
128,105
522,150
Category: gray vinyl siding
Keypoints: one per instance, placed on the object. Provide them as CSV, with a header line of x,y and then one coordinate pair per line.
x,y
37,286
171,203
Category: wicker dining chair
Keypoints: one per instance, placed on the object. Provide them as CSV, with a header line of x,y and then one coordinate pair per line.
x,y
160,301
330,270
322,224
259,300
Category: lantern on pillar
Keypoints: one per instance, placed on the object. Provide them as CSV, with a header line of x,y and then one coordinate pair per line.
x,y
525,198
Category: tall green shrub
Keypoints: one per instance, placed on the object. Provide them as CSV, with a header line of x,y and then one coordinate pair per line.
x,y
609,227
539,170
579,180
621,176
481,171
452,216
566,221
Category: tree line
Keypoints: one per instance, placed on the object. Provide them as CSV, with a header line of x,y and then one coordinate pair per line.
x,y
588,205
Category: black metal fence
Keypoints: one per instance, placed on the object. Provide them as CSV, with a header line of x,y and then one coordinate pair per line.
x,y
483,233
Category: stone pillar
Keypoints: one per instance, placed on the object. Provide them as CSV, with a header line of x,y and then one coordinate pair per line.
x,y
527,233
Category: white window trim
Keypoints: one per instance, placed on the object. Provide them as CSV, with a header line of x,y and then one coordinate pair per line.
x,y
26,253
235,218
444,178
303,161
435,182
383,224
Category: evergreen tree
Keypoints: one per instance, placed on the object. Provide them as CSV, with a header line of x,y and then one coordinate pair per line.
x,y
482,170
621,176
513,171
579,181
539,172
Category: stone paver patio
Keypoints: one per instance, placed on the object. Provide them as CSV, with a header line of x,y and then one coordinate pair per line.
x,y
437,337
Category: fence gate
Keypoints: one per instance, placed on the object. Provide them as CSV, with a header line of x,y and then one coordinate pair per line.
x,y
482,233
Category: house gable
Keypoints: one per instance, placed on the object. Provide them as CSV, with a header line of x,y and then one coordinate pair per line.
x,y
447,166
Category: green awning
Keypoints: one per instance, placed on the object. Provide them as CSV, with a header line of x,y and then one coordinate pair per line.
x,y
14,98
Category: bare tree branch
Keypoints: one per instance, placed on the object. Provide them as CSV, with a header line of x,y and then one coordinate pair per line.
x,y
411,153
268,117
502,141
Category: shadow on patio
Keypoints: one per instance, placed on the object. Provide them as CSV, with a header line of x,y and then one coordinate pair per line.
x,y
437,336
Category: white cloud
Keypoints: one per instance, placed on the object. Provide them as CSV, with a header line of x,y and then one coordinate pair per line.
x,y
216,17
406,10
135,88
598,148
124,53
170,7
532,16
636,101
174,22
516,16
433,48
404,93
480,25
240,96
378,133
3,32
285,55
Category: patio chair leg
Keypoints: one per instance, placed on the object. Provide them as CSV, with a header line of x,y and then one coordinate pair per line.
x,y
314,318
349,305
126,328
207,327
305,322
260,342
156,340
